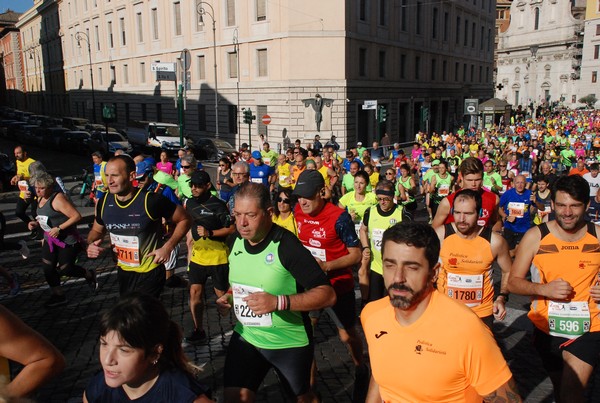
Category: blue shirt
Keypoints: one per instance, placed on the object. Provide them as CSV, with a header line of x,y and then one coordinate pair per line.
x,y
519,205
260,173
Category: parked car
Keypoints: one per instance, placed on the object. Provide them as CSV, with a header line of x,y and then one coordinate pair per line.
x,y
52,137
26,134
75,123
207,149
75,141
108,143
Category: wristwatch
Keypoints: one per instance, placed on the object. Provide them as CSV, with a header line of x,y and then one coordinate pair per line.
x,y
503,294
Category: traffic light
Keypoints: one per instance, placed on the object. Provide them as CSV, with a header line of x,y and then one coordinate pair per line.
x,y
248,117
382,114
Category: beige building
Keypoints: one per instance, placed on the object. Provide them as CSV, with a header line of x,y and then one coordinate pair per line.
x,y
275,57
43,59
590,62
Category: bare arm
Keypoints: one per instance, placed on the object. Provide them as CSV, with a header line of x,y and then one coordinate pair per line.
x,y
505,393
502,256
373,395
64,206
19,343
442,213
183,222
353,257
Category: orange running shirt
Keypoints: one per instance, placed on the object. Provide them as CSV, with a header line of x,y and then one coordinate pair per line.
x,y
577,263
447,355
466,271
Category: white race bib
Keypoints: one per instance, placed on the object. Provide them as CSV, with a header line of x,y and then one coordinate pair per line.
x,y
43,221
127,248
516,209
243,313
465,288
444,190
376,237
317,253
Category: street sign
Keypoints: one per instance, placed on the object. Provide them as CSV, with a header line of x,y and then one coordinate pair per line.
x,y
163,67
370,105
188,80
186,59
166,76
471,106
266,119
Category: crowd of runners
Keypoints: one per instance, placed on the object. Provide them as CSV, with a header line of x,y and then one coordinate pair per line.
x,y
289,237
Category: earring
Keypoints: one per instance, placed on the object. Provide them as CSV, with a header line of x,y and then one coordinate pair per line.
x,y
155,362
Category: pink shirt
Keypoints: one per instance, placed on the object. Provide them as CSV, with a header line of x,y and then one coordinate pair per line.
x,y
166,167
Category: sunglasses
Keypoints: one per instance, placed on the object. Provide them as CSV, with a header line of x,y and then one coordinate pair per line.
x,y
282,200
185,167
389,173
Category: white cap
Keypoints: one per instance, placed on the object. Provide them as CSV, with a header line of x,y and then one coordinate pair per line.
x,y
359,143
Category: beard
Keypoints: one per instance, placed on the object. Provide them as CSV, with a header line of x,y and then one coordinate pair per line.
x,y
406,302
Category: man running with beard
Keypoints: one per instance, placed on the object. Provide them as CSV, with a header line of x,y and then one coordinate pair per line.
x,y
447,352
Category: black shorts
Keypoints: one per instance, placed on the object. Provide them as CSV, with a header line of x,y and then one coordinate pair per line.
x,y
343,313
198,274
512,238
151,282
586,348
246,365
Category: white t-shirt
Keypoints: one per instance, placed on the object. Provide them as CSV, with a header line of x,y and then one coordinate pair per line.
x,y
593,182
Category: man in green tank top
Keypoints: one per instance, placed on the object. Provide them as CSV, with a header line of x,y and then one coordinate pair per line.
x,y
275,282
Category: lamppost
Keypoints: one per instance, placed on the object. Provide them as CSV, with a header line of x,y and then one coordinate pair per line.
x,y
34,55
236,46
82,36
201,12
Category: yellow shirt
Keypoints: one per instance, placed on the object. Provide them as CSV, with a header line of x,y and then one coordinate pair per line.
x,y
323,172
283,173
289,223
23,174
374,179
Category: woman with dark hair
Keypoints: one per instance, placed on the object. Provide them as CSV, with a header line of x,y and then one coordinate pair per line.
x,y
358,200
224,180
141,356
282,211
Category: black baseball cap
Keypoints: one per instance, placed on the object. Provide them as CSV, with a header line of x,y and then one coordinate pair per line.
x,y
200,178
309,183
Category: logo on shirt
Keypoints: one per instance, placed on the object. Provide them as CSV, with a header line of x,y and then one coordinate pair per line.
x,y
237,252
423,347
269,259
314,242
381,333
392,221
569,247
319,233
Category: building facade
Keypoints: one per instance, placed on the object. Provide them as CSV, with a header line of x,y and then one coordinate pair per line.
x,y
539,55
590,63
43,59
309,65
12,85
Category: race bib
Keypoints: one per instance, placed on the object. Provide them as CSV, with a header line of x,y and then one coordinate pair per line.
x,y
568,319
376,237
317,253
467,289
127,248
98,180
243,313
516,209
444,190
43,221
23,186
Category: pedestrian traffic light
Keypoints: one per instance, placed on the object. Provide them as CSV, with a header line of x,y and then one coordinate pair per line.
x,y
248,117
382,114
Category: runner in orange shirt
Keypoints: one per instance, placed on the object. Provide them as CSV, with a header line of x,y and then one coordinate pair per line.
x,y
423,329
467,254
564,257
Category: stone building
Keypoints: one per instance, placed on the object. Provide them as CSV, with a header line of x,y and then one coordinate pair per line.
x,y
590,62
418,59
12,84
539,55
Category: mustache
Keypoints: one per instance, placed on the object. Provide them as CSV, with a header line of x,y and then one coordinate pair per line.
x,y
399,287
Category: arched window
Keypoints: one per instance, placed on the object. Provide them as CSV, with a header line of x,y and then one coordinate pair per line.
x,y
536,18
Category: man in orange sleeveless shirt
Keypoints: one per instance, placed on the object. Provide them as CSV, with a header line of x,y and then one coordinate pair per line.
x,y
564,256
447,352
467,253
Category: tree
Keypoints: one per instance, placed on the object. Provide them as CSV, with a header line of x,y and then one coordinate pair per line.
x,y
589,100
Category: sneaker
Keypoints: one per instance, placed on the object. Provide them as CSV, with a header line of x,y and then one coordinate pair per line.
x,y
56,300
24,249
197,336
15,286
92,281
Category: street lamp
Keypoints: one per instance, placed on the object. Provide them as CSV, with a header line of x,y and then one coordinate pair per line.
x,y
37,63
82,36
236,45
201,12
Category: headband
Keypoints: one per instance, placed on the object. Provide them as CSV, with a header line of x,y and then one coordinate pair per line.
x,y
384,192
